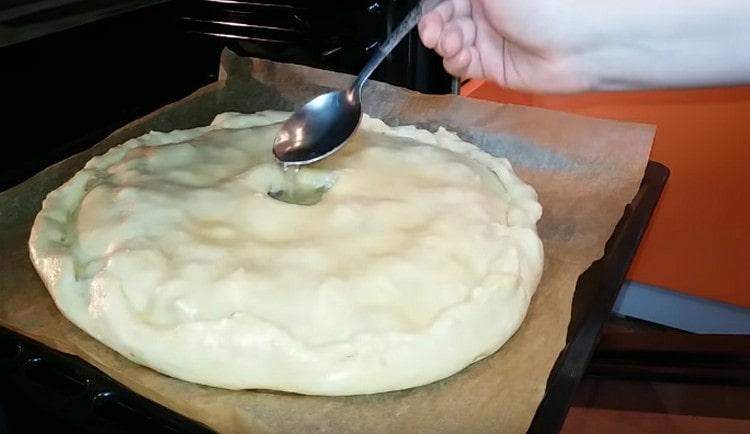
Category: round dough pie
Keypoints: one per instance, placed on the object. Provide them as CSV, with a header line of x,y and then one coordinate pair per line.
x,y
420,259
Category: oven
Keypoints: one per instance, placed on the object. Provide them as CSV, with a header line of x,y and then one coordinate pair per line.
x,y
73,71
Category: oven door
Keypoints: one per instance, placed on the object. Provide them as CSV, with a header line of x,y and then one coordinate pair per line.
x,y
74,71
328,34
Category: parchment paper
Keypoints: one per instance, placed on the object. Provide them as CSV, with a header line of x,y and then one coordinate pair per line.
x,y
585,171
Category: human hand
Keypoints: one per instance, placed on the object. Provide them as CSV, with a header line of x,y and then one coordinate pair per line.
x,y
524,44
567,46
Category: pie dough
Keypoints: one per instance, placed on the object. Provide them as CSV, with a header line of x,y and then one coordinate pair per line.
x,y
421,258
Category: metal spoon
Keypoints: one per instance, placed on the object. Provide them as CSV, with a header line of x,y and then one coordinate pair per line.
x,y
323,125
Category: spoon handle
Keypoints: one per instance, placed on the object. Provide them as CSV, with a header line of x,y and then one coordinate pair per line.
x,y
411,20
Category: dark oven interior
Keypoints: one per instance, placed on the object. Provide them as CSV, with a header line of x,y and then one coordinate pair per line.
x,y
75,70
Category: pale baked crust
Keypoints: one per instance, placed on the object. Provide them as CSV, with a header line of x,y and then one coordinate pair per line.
x,y
168,250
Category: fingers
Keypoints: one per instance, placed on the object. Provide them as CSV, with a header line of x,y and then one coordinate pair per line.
x,y
461,8
458,64
431,26
451,32
475,69
465,64
450,9
457,34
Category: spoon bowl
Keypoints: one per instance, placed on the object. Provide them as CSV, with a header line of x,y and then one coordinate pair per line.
x,y
323,125
319,128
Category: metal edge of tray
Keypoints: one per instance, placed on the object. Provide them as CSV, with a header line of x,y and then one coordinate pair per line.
x,y
74,391
595,294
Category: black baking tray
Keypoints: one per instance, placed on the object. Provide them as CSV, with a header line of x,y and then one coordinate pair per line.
x,y
43,390
596,291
